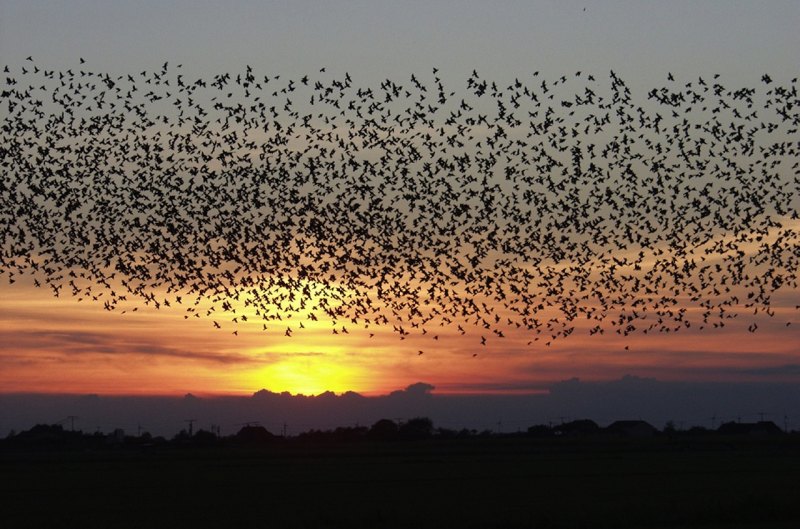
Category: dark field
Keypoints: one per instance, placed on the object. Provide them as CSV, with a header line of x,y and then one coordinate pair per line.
x,y
477,483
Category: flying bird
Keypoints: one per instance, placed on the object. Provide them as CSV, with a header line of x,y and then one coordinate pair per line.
x,y
547,208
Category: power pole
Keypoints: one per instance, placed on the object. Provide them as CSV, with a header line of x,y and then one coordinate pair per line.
x,y
72,422
191,426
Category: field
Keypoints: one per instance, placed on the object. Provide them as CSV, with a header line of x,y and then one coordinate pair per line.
x,y
475,483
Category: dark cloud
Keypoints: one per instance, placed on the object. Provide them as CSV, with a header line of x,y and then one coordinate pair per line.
x,y
786,369
415,390
74,343
493,387
630,397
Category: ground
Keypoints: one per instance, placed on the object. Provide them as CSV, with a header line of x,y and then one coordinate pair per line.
x,y
472,483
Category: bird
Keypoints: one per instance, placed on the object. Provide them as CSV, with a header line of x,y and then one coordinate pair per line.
x,y
544,206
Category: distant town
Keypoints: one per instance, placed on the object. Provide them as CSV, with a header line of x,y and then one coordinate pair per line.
x,y
57,436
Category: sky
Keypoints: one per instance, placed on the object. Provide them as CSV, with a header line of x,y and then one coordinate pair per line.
x,y
67,345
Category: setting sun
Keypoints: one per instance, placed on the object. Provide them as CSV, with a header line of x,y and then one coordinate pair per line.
x,y
305,374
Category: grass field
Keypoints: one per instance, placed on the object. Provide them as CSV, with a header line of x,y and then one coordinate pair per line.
x,y
488,483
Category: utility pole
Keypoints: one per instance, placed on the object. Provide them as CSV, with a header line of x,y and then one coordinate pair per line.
x,y
72,422
191,426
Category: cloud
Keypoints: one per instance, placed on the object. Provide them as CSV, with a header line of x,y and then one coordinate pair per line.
x,y
418,389
493,387
79,343
628,397
786,369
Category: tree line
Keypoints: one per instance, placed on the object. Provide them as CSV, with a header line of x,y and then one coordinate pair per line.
x,y
383,430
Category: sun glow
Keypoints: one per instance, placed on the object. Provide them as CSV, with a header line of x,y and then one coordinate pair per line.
x,y
306,375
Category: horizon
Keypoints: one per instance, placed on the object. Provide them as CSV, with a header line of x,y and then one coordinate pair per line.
x,y
627,398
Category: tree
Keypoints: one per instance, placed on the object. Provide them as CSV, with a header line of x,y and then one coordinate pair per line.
x,y
416,428
254,434
383,429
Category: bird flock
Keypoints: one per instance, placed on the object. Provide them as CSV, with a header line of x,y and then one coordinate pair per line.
x,y
544,205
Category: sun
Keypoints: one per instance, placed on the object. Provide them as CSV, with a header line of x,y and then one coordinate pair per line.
x,y
306,374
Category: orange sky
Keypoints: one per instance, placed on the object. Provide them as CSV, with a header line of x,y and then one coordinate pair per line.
x,y
50,344
62,345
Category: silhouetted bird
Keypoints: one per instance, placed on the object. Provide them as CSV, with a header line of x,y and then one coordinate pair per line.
x,y
545,207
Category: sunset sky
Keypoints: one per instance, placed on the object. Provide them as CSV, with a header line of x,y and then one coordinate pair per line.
x,y
67,345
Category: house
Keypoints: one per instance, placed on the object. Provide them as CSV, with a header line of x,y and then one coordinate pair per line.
x,y
577,428
754,429
117,437
631,429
